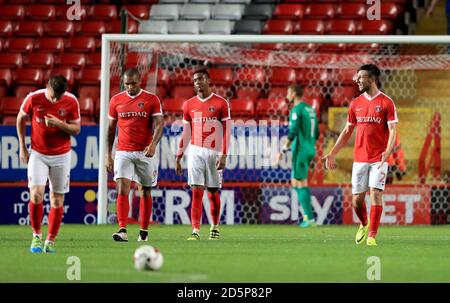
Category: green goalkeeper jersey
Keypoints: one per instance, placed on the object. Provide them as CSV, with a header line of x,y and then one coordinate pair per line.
x,y
303,129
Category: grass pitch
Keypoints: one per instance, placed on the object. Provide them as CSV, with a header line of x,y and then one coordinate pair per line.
x,y
246,253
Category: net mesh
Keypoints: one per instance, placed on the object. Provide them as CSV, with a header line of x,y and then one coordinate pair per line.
x,y
254,78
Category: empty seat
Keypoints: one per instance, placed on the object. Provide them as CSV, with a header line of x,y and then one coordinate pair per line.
x,y
72,60
250,76
116,26
390,11
251,93
12,12
228,11
189,27
173,106
87,106
185,92
38,60
90,76
21,91
81,45
205,1
66,72
89,91
278,27
195,12
162,76
6,28
29,76
29,29
248,27
10,105
344,76
164,12
343,95
282,76
161,92
173,1
54,45
271,108
216,27
289,11
41,12
106,12
267,1
341,27
20,45
221,76
321,11
242,107
278,92
92,28
237,1
309,27
5,77
11,60
135,59
258,11
140,11
154,27
59,28
351,11
95,59
375,27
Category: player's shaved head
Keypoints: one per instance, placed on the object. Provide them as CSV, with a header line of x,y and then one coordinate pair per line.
x,y
58,84
132,72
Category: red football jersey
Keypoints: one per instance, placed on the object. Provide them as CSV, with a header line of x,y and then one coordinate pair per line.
x,y
44,139
134,115
371,115
204,116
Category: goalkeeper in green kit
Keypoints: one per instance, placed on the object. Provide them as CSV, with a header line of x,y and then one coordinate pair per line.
x,y
302,137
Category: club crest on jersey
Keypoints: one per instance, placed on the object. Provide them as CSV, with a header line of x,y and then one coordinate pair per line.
x,y
141,104
211,109
378,108
62,112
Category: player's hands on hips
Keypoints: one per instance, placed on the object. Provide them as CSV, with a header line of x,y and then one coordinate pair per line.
x,y
24,155
52,121
329,161
220,164
150,150
109,163
178,169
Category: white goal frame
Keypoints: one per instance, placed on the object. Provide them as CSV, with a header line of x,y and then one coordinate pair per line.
x,y
135,38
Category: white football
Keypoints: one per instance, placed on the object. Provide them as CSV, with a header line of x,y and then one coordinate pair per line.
x,y
147,257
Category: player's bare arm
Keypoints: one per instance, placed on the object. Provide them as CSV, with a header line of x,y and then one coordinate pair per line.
x,y
184,142
71,128
341,141
158,125
111,135
20,124
391,143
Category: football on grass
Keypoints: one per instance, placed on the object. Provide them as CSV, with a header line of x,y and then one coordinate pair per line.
x,y
147,257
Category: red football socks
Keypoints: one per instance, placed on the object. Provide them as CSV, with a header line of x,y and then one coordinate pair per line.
x,y
123,207
145,211
54,222
196,207
214,204
375,216
361,212
36,212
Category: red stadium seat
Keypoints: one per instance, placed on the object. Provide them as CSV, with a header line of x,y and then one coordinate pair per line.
x,y
375,27
11,60
81,45
320,11
289,11
182,76
223,90
278,27
10,105
250,76
161,92
309,27
5,77
29,29
185,92
90,76
163,77
94,59
29,76
114,90
271,108
38,60
104,12
6,28
19,45
92,28
390,11
22,91
59,28
344,76
221,76
242,108
72,60
173,106
116,26
87,106
341,27
282,76
63,71
89,91
278,92
343,95
313,76
136,59
9,120
139,11
53,45
41,12
355,11
12,12
251,93
269,46
62,10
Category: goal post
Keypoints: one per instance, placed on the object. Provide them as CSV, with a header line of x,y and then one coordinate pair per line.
x,y
439,60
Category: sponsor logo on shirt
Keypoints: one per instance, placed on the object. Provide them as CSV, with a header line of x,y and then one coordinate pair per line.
x,y
132,114
378,108
204,119
368,119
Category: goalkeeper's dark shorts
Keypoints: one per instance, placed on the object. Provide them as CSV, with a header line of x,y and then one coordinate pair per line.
x,y
300,165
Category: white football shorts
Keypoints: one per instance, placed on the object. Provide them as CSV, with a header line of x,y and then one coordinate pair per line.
x,y
365,175
135,166
54,168
201,167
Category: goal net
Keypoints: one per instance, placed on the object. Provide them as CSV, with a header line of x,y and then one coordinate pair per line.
x,y
253,73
